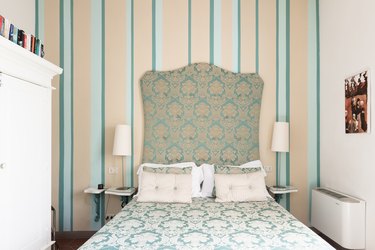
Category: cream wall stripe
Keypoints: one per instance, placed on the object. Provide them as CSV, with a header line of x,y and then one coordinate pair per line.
x,y
226,37
282,112
248,36
117,103
52,45
142,63
267,70
97,102
175,29
217,33
236,35
201,31
313,98
257,36
66,117
298,115
82,203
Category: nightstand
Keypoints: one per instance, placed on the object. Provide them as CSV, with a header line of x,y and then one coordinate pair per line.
x,y
97,194
126,195
278,192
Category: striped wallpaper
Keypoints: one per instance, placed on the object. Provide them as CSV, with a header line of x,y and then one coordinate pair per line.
x,y
106,46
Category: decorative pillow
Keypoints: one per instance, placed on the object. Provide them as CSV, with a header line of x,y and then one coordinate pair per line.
x,y
240,187
254,164
171,170
209,179
165,188
196,172
234,170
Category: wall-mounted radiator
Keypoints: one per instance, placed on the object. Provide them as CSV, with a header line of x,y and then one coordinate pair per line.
x,y
340,217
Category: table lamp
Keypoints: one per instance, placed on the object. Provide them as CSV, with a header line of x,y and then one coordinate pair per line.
x,y
122,146
280,142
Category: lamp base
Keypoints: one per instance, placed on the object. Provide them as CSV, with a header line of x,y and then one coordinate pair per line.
x,y
122,188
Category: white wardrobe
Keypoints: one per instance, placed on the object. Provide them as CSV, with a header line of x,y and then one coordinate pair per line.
x,y
25,148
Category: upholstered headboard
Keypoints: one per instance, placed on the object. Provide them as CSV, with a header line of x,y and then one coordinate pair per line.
x,y
201,113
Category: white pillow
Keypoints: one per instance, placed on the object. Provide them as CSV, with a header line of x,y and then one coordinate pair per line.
x,y
158,187
209,179
240,187
196,172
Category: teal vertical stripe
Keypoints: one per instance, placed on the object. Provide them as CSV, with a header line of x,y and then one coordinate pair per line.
x,y
132,94
130,86
129,83
103,110
37,18
97,100
287,181
61,122
41,20
283,86
159,33
66,117
71,112
189,31
153,34
313,98
277,86
212,26
157,24
236,35
215,32
257,36
317,93
239,36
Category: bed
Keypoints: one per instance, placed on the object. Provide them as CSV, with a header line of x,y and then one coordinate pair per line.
x,y
202,114
205,224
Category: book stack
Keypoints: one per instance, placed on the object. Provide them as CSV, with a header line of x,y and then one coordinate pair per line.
x,y
18,36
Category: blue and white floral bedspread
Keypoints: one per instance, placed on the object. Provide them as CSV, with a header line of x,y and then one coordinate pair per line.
x,y
205,224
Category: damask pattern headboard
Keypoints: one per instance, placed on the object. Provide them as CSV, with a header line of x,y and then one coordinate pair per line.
x,y
201,113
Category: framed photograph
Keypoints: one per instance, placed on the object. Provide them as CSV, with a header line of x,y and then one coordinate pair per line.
x,y
357,107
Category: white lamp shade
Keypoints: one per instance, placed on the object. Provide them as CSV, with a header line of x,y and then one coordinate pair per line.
x,y
280,137
122,141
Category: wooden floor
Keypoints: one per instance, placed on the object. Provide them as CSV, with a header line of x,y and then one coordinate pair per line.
x,y
331,242
69,244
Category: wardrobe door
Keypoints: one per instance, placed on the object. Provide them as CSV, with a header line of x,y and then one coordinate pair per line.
x,y
25,154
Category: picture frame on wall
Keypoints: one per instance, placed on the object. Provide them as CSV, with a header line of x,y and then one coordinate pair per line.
x,y
357,103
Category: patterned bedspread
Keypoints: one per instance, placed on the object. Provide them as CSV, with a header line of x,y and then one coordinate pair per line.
x,y
205,224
